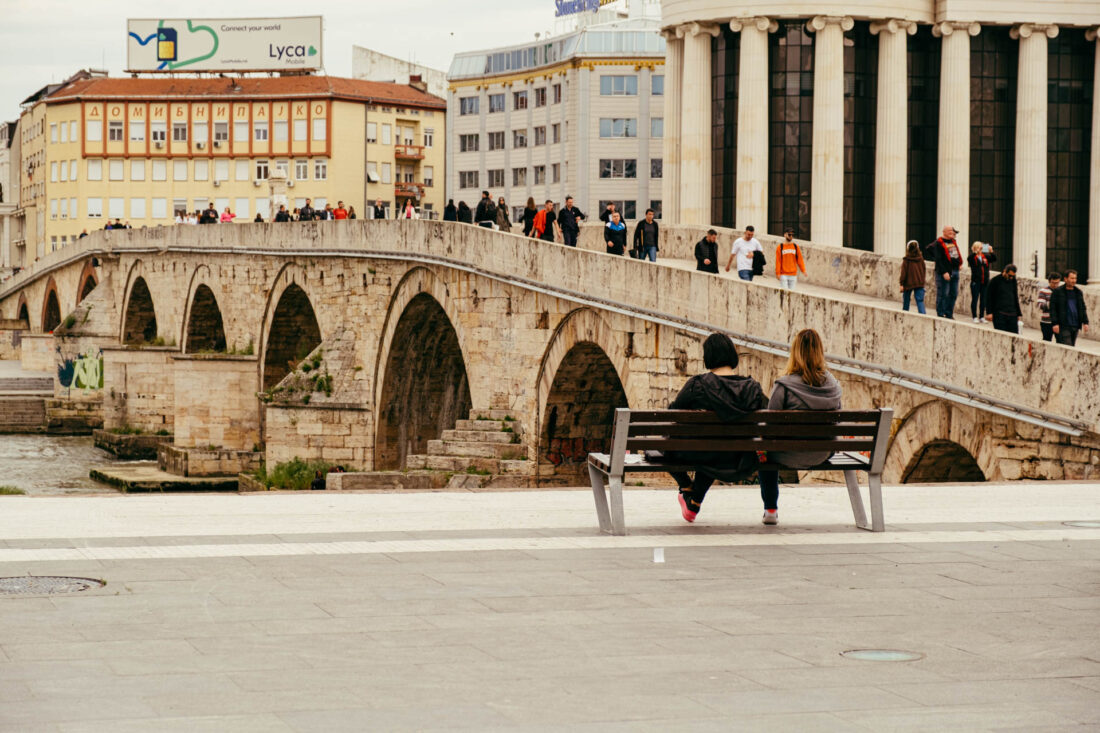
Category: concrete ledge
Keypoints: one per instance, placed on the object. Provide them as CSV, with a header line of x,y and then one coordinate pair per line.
x,y
143,478
130,447
205,462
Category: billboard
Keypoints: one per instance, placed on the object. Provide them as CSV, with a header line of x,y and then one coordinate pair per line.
x,y
241,44
572,7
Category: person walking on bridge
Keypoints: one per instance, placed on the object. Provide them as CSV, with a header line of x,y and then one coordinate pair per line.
x,y
1067,311
913,275
788,260
646,235
980,259
1043,301
706,253
949,259
569,221
503,223
742,251
614,234
486,213
1004,301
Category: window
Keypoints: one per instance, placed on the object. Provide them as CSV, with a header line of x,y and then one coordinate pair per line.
x,y
657,127
240,131
240,172
262,171
116,208
53,172
53,133
519,138
158,131
320,169
556,132
114,131
95,170
658,86
619,86
372,172
241,207
300,131
160,170
496,140
137,131
72,131
53,208
137,208
72,207
618,127
540,135
263,205
64,208
115,170
221,131
202,170
95,208
372,132
627,209
387,173
64,128
468,105
657,168
618,168
200,132
53,244
93,131
259,130
179,170
540,97
429,175
540,174
519,176
557,94
301,170
496,178
280,131
468,143
519,100
160,208
320,129
467,179
179,132
137,170
556,172
63,171
429,137
72,170
656,206
387,135
496,103
409,134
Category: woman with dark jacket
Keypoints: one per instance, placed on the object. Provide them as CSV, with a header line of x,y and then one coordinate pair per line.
x,y
502,221
529,213
913,275
806,385
979,260
614,234
450,213
465,215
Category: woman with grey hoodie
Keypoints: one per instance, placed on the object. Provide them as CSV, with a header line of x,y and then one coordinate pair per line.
x,y
805,385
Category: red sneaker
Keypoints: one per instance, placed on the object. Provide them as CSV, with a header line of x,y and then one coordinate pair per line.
x,y
686,510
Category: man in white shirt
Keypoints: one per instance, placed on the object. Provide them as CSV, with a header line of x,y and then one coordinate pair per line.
x,y
742,251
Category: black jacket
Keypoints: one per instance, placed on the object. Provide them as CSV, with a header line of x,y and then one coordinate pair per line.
x,y
943,262
616,238
209,216
639,235
979,271
605,216
569,219
1059,312
450,213
465,215
306,213
486,211
1004,297
529,221
730,398
705,250
282,216
758,263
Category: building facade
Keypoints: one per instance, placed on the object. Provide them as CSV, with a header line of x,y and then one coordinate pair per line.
x,y
868,123
578,114
144,151
371,65
9,196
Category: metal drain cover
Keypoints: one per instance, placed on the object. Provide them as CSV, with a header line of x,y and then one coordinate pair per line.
x,y
38,585
882,655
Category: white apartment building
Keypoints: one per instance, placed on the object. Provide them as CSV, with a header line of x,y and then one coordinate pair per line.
x,y
578,114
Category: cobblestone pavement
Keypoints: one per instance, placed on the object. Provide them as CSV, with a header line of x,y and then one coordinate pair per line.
x,y
421,611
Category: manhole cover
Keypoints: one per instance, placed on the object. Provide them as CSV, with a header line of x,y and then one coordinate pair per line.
x,y
882,655
36,585
1083,525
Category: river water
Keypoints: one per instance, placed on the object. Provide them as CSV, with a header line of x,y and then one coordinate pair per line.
x,y
48,465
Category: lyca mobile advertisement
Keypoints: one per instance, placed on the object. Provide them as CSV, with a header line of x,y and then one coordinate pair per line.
x,y
241,44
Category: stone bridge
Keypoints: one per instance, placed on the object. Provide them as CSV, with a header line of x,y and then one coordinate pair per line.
x,y
362,342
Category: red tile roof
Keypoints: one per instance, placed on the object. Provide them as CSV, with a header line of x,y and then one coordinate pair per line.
x,y
263,88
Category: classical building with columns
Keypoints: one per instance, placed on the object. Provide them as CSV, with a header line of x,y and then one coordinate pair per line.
x,y
867,123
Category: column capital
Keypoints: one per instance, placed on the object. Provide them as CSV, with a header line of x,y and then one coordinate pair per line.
x,y
948,27
760,22
894,25
818,22
1026,30
698,29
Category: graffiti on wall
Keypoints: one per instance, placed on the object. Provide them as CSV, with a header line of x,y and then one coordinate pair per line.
x,y
82,371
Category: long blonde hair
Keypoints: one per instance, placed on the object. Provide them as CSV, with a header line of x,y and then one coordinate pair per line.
x,y
807,358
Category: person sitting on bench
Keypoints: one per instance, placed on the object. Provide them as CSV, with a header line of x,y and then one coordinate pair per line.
x,y
729,396
805,385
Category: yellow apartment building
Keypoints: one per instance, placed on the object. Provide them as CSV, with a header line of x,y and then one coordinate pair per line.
x,y
144,150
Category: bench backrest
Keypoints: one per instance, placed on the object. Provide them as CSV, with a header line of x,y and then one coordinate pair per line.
x,y
763,430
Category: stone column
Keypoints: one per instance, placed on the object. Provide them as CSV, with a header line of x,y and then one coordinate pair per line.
x,y
953,189
695,153
1029,240
892,136
674,89
751,204
277,188
1094,178
827,179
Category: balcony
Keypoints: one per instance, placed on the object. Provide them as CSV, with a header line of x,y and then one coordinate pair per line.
x,y
409,152
406,190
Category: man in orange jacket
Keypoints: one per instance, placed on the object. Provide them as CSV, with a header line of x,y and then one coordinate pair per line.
x,y
788,260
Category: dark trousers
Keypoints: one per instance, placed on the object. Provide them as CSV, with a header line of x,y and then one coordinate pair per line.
x,y
1048,331
1010,324
769,489
569,238
946,293
977,299
698,487
1067,336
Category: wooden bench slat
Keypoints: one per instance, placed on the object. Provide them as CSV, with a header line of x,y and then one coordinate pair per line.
x,y
760,416
744,444
751,430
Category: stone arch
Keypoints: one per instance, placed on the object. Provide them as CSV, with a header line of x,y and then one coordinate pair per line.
x,y
88,281
205,330
22,312
422,384
292,332
582,380
139,314
51,308
941,441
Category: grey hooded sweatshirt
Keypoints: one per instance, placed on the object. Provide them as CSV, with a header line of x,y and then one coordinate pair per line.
x,y
791,393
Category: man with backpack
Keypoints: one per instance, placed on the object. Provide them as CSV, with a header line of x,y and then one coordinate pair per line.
x,y
486,213
788,260
948,258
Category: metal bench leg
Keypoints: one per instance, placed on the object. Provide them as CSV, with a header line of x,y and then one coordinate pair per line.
x,y
878,522
598,491
615,488
852,479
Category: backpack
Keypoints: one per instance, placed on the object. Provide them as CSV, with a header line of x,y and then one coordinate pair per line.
x,y
929,250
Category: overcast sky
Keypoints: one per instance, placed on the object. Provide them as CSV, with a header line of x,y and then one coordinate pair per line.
x,y
45,41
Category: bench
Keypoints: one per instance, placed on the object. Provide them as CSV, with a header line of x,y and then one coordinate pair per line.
x,y
858,440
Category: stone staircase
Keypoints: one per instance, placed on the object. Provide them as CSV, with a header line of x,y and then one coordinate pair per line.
x,y
23,403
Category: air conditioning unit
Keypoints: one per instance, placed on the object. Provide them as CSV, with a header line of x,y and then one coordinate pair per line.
x,y
290,184
257,183
200,146
217,183
217,143
159,144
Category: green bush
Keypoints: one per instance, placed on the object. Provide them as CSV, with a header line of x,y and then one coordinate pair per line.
x,y
11,491
296,474
127,430
69,322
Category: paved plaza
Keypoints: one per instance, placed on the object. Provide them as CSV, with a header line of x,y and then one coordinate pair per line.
x,y
433,611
